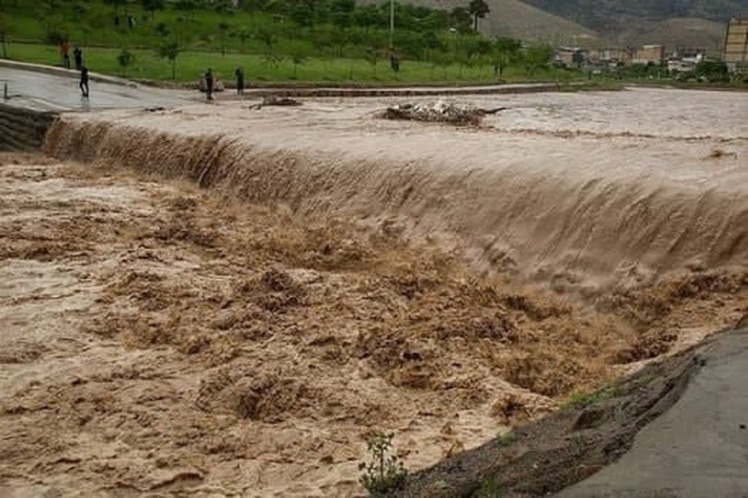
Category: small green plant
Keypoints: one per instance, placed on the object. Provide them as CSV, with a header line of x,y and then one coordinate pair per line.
x,y
489,489
507,438
583,400
385,472
125,59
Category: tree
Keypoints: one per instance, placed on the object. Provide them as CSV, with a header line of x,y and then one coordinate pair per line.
x,y
478,9
537,56
125,59
223,6
459,17
4,28
244,36
151,6
188,7
298,57
117,4
341,11
163,30
223,29
430,42
712,71
504,51
268,39
79,10
169,49
302,14
372,57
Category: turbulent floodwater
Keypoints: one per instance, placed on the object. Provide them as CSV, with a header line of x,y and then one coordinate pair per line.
x,y
564,187
326,273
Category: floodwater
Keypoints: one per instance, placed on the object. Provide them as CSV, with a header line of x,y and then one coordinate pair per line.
x,y
219,300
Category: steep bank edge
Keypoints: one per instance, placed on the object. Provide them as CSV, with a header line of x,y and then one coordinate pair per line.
x,y
23,130
569,446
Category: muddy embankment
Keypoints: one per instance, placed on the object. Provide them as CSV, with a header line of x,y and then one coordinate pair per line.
x,y
23,130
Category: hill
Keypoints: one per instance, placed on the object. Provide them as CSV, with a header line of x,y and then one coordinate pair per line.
x,y
689,32
615,15
692,23
697,23
517,19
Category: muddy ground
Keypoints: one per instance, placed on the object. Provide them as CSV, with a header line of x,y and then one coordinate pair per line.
x,y
164,340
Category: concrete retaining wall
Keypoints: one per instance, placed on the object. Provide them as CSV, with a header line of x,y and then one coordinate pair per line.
x,y
23,130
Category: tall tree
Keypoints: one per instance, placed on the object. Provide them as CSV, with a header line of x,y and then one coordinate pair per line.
x,y
169,49
125,59
4,28
188,7
478,9
151,6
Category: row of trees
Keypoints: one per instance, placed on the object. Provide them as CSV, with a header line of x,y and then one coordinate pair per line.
x,y
291,29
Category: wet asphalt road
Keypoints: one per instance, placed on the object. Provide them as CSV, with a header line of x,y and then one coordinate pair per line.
x,y
48,92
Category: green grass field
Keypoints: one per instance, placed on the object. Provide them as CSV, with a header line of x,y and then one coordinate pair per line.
x,y
271,48
190,65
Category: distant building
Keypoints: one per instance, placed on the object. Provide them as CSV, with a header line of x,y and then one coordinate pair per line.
x,y
610,57
649,54
570,57
685,59
736,44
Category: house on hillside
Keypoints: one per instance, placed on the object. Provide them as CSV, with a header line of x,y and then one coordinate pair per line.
x,y
571,57
685,59
649,55
610,58
736,45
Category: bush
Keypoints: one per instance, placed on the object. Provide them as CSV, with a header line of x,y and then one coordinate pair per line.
x,y
385,472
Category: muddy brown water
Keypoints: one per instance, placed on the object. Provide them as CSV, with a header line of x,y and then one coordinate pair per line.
x,y
323,273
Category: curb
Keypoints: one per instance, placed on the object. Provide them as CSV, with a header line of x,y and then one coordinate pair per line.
x,y
68,73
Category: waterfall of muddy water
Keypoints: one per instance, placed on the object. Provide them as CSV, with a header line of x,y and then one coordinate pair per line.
x,y
577,189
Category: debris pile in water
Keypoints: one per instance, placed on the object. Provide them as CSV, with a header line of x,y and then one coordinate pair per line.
x,y
440,112
275,101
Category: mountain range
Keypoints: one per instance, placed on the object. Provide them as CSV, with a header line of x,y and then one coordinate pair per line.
x,y
598,23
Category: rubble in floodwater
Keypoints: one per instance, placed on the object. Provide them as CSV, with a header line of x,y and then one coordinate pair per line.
x,y
439,112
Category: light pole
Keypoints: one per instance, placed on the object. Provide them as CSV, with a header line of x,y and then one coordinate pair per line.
x,y
392,23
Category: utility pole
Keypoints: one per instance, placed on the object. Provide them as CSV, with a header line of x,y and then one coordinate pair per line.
x,y
392,23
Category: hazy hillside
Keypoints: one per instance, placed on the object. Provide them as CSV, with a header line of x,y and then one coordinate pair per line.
x,y
615,15
519,20
693,23
596,23
689,32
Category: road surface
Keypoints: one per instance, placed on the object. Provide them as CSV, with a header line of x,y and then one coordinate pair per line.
x,y
697,448
49,92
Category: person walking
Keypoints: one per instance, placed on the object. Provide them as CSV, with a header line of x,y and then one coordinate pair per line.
x,y
209,81
84,81
239,80
78,57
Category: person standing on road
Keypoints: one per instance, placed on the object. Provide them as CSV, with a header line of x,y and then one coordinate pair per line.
x,y
65,50
78,56
239,80
84,81
209,83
